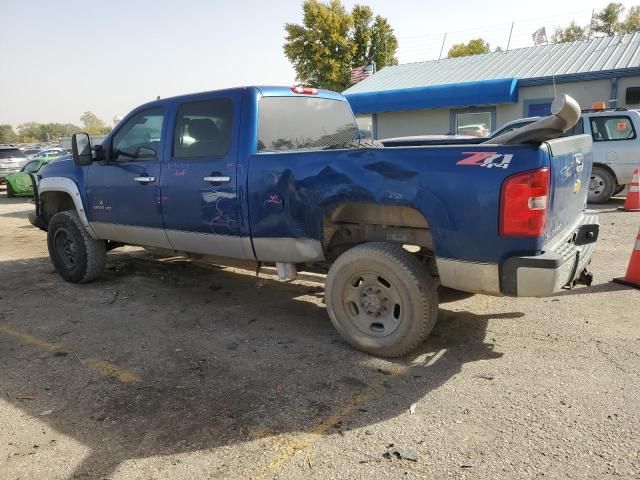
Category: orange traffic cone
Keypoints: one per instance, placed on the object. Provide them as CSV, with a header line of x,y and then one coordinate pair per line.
x,y
632,203
632,278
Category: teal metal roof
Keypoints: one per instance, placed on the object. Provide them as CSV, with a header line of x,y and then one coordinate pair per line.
x,y
585,59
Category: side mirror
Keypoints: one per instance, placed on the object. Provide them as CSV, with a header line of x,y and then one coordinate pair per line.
x,y
145,152
81,149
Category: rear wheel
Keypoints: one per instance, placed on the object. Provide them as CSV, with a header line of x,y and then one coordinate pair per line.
x,y
601,186
76,256
10,192
381,299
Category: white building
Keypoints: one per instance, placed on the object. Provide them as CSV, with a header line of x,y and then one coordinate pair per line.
x,y
485,91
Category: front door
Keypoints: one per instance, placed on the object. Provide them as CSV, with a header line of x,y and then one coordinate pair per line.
x,y
201,210
124,198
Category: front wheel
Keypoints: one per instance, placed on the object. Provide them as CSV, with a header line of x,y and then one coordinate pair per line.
x,y
601,186
381,299
10,192
76,256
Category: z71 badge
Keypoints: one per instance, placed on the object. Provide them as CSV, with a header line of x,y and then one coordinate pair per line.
x,y
487,159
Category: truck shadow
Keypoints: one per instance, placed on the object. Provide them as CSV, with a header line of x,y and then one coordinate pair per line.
x,y
198,358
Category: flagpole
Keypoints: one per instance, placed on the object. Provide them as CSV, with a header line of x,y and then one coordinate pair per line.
x,y
442,48
509,41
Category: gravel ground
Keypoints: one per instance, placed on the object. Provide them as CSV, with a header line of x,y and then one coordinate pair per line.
x,y
163,369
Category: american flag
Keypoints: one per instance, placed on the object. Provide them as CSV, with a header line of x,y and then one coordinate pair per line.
x,y
540,36
360,73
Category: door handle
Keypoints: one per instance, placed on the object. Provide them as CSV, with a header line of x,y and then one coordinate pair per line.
x,y
145,179
220,179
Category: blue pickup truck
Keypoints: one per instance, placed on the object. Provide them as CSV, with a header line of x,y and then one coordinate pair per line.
x,y
279,175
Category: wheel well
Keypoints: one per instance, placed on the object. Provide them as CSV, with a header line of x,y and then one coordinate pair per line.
x,y
54,202
351,224
608,169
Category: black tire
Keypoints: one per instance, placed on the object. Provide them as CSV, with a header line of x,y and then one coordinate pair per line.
x,y
397,299
76,256
10,192
601,186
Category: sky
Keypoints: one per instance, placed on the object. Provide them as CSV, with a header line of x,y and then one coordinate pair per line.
x,y
61,58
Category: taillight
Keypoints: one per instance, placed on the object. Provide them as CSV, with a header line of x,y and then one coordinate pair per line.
x,y
305,90
524,203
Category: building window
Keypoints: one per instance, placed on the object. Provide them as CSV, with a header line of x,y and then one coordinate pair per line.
x,y
539,109
633,96
611,128
475,124
365,125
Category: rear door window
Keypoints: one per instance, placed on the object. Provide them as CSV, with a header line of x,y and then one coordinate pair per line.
x,y
612,128
298,123
203,129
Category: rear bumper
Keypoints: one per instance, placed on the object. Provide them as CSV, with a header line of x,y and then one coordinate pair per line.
x,y
559,266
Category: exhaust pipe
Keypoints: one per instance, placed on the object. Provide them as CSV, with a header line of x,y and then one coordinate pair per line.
x,y
565,113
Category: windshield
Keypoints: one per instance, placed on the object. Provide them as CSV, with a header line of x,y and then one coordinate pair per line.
x,y
11,153
293,123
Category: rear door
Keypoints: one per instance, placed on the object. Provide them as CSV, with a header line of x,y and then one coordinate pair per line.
x,y
199,188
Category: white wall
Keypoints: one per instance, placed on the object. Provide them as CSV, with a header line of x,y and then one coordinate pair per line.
x,y
413,122
623,83
585,94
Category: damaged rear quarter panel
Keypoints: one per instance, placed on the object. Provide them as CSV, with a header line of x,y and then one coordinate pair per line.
x,y
289,193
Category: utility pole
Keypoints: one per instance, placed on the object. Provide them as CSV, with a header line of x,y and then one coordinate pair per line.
x,y
442,48
510,33
593,11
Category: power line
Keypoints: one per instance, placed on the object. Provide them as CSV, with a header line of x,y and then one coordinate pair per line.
x,y
516,34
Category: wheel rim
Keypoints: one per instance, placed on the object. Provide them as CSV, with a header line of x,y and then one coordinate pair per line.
x,y
597,185
373,304
66,249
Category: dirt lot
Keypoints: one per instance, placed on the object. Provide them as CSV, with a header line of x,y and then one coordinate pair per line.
x,y
168,370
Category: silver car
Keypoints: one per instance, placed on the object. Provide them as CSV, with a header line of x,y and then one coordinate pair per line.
x,y
12,160
616,150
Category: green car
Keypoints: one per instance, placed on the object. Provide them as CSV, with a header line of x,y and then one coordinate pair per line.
x,y
19,184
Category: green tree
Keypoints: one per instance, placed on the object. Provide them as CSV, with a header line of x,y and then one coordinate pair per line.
x,y
607,20
43,132
632,23
30,132
94,125
330,40
7,135
477,46
572,33
384,44
362,16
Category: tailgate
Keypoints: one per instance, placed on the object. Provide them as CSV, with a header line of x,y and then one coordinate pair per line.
x,y
570,161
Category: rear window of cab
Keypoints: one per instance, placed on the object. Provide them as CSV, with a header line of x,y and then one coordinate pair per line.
x,y
304,123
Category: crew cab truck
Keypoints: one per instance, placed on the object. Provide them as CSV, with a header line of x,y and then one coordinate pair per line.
x,y
279,175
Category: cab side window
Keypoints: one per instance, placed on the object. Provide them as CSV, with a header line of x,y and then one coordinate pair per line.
x,y
139,138
203,129
612,128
